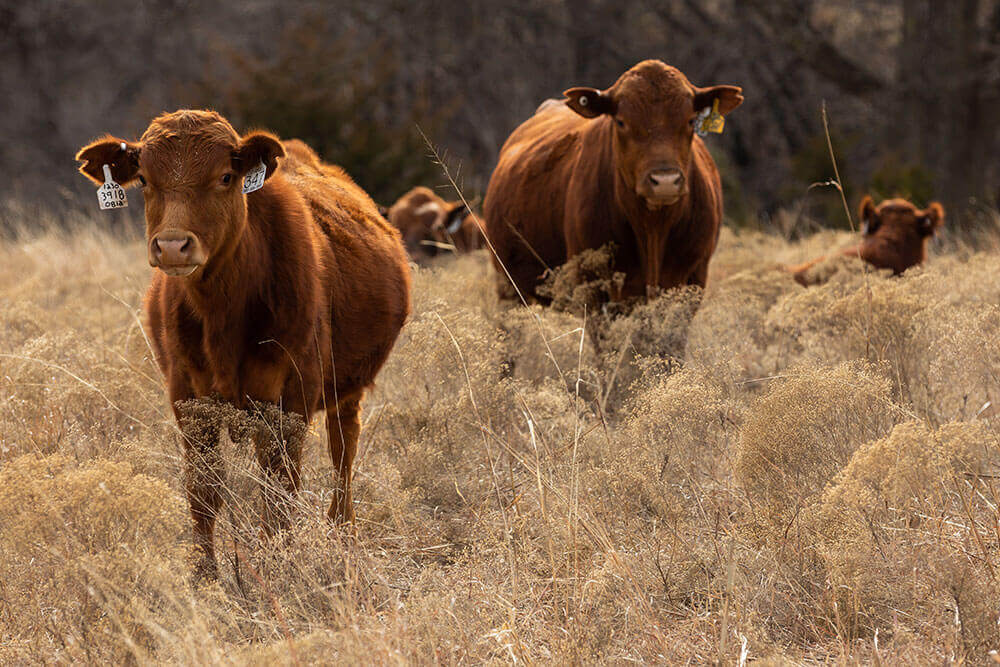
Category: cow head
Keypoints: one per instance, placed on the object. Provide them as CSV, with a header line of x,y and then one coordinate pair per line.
x,y
190,165
900,219
420,215
652,108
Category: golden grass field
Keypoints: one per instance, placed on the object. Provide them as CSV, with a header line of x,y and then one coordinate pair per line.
x,y
791,475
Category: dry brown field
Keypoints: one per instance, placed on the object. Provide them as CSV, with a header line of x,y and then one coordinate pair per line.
x,y
783,474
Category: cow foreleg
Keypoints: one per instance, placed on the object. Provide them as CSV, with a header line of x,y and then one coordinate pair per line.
x,y
343,424
278,443
204,476
699,277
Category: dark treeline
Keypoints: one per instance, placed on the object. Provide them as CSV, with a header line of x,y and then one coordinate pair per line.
x,y
911,86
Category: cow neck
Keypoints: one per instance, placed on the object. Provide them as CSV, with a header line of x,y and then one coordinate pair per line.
x,y
651,227
238,274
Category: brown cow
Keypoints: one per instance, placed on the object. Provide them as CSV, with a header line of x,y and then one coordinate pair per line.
x,y
293,294
619,166
428,222
893,236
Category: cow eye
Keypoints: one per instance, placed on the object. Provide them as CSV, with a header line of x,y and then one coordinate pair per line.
x,y
620,123
142,181
227,179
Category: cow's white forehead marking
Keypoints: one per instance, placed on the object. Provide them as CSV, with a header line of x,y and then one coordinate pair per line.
x,y
428,207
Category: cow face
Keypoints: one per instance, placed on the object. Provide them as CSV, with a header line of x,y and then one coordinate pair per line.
x,y
900,220
652,109
190,165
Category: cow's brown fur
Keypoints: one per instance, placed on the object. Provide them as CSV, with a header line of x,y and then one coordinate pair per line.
x,y
894,236
302,293
427,223
571,178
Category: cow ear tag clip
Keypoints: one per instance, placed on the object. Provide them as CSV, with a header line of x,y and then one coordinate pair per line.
x,y
255,178
111,195
710,120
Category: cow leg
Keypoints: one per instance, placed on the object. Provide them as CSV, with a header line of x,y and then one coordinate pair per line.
x,y
699,277
278,442
343,424
203,492
203,478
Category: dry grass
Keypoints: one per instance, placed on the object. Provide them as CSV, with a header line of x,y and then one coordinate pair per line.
x,y
806,475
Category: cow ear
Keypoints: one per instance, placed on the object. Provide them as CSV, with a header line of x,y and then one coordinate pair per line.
x,y
932,218
729,98
869,217
589,102
121,156
454,216
255,148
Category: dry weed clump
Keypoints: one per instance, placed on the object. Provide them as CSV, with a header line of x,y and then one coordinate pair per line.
x,y
92,558
671,448
664,479
908,533
800,434
730,331
795,439
623,334
585,282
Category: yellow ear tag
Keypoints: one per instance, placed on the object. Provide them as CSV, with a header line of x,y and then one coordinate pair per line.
x,y
713,121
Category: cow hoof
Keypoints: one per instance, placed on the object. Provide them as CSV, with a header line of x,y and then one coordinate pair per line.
x,y
341,514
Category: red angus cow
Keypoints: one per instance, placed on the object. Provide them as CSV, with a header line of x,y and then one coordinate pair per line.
x,y
893,236
293,294
425,220
618,166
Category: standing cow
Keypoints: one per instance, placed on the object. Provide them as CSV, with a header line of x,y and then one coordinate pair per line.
x,y
894,236
293,294
619,166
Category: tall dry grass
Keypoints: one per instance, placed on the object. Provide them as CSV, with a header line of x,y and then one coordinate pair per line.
x,y
780,473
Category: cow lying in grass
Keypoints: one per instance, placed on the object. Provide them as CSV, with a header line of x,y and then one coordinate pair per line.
x,y
894,236
291,295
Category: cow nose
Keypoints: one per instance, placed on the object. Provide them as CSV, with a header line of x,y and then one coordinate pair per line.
x,y
666,179
173,249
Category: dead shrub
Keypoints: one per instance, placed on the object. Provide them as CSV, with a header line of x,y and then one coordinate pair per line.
x,y
799,434
906,528
89,556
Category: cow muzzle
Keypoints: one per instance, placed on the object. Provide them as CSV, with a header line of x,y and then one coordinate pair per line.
x,y
176,253
662,186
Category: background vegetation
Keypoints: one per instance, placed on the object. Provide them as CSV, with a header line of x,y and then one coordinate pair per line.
x,y
911,85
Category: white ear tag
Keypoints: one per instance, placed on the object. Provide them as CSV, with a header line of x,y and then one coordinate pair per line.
x,y
456,224
699,122
254,179
111,195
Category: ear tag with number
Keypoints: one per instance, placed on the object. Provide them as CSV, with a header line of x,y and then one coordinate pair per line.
x,y
710,120
111,195
254,179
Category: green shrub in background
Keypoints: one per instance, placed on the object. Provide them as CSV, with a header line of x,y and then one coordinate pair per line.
x,y
897,178
811,164
340,99
739,205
